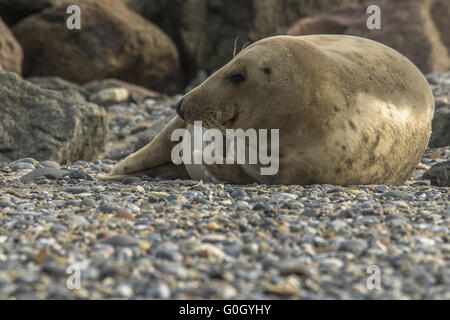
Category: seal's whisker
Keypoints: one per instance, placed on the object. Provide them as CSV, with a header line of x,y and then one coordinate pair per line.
x,y
219,126
209,124
235,46
245,45
212,123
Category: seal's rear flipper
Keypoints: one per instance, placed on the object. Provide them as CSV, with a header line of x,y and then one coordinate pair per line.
x,y
168,170
108,177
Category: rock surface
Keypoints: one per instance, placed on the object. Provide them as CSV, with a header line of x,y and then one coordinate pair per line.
x,y
110,96
404,25
134,125
136,93
205,31
107,46
46,124
58,84
440,84
11,53
439,174
440,136
12,11
335,22
44,173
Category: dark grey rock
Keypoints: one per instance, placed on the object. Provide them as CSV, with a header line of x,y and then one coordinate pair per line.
x,y
58,228
77,190
109,208
88,203
54,269
4,204
293,204
48,173
168,251
148,135
238,193
310,213
158,290
152,198
58,84
21,166
439,174
78,174
354,246
46,124
440,135
49,164
120,241
131,180
396,194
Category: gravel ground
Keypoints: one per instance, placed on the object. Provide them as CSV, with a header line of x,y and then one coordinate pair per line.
x,y
156,238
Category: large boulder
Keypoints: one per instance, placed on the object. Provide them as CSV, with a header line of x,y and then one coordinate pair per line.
x,y
46,124
11,53
205,31
419,29
113,42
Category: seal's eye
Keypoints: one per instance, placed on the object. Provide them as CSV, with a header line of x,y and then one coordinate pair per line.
x,y
236,78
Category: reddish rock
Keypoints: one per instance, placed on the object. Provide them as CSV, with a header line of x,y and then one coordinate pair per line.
x,y
336,22
124,214
419,29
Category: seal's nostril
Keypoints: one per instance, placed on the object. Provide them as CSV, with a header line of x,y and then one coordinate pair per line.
x,y
178,108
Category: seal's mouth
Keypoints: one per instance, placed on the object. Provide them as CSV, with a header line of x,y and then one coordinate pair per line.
x,y
229,123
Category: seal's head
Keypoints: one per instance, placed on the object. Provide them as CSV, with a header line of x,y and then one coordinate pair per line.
x,y
257,87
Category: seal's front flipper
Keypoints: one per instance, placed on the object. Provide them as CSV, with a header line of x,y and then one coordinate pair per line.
x,y
153,159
